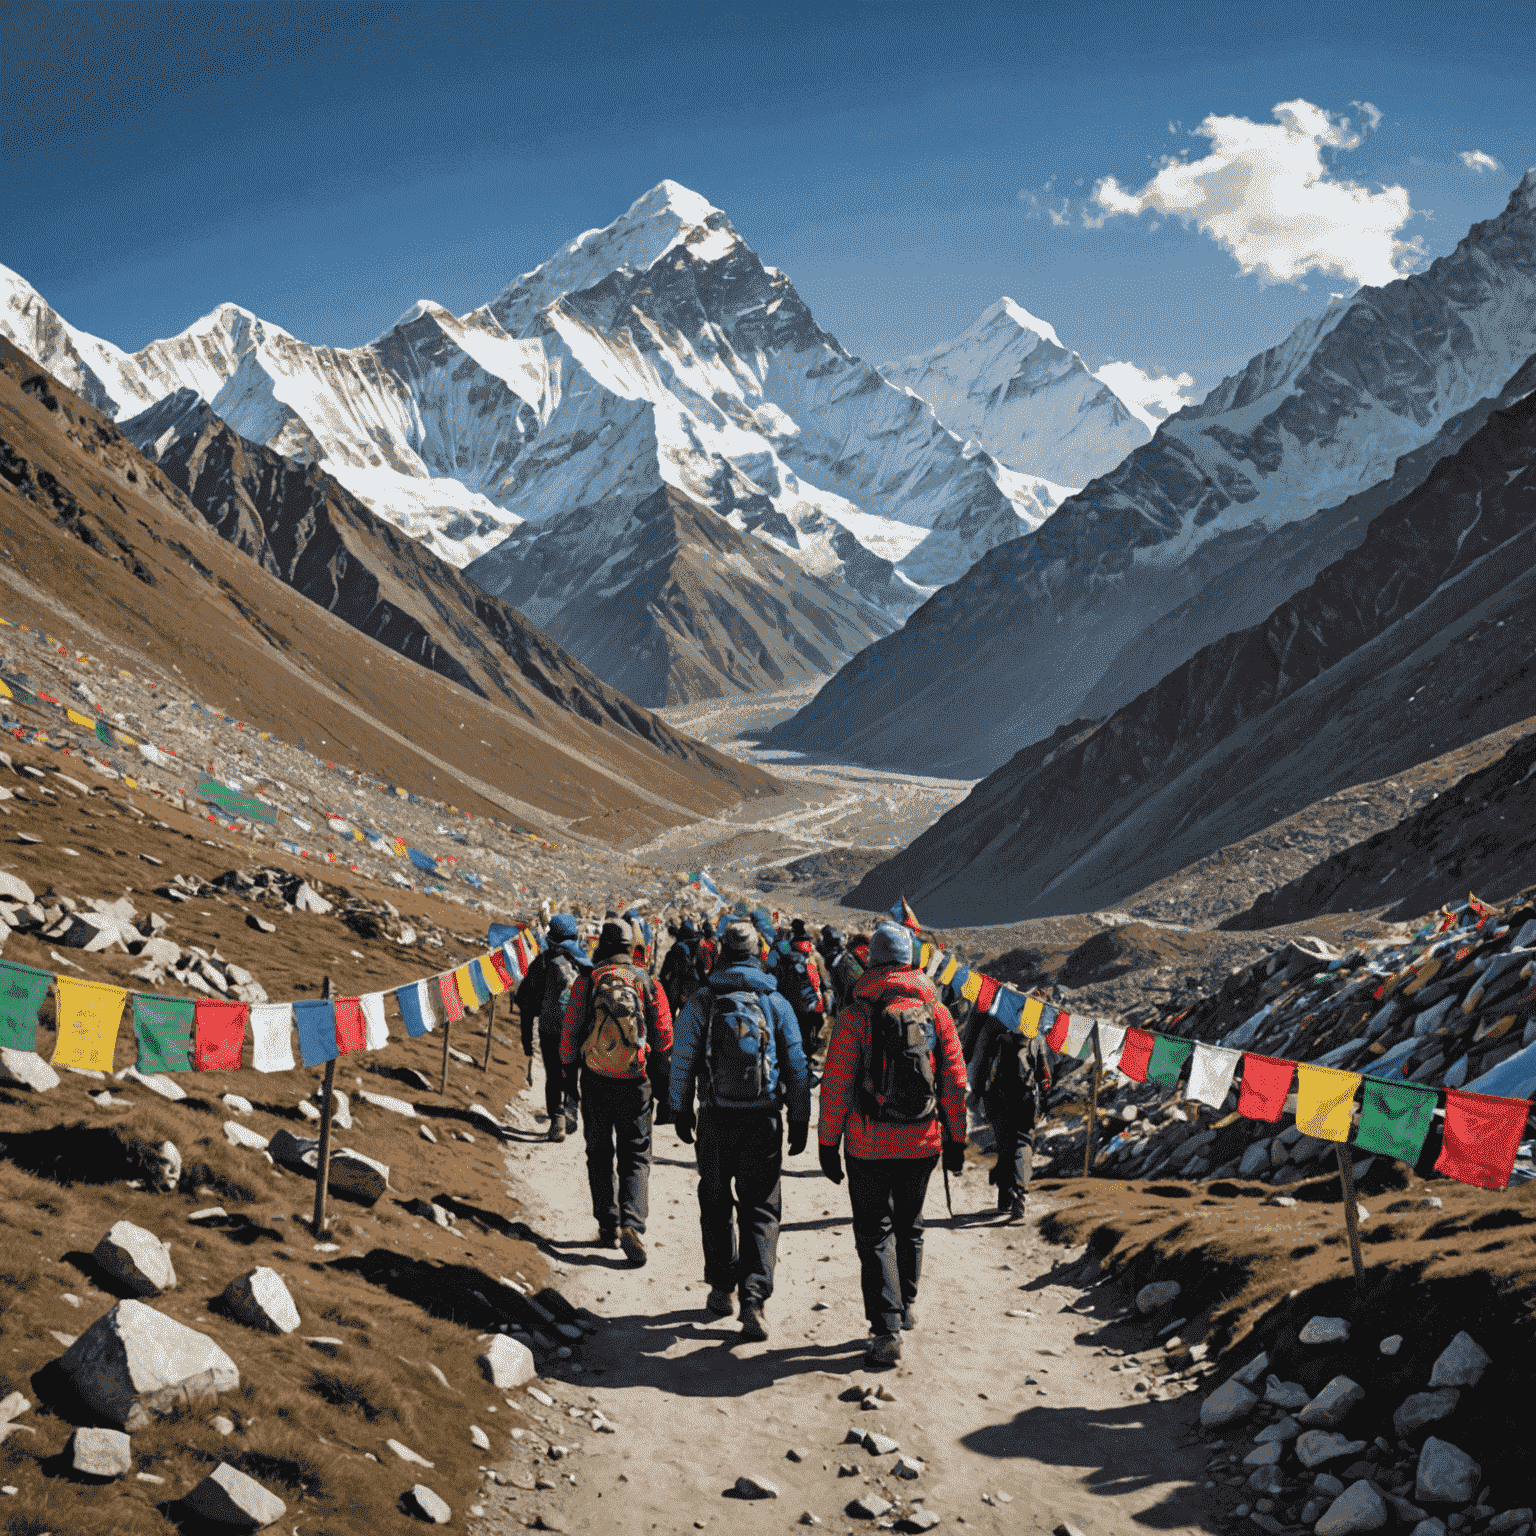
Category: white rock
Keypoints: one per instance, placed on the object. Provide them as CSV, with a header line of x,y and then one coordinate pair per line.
x,y
1325,1330
1230,1403
229,1497
1425,1408
428,1506
100,1452
507,1363
260,1299
238,1135
879,1445
223,1424
1316,1446
869,1506
1333,1403
156,1082
236,1105
1461,1363
1447,1475
478,1438
384,1101
12,1406
1289,1395
908,1467
134,1362
1150,1297
308,1110
1391,1344
750,1487
405,1453
136,1258
15,889
167,1167
1358,1508
26,1069
306,899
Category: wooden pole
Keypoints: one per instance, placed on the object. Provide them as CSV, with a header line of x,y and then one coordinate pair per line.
x,y
327,1114
442,1086
1091,1146
490,1030
1351,1209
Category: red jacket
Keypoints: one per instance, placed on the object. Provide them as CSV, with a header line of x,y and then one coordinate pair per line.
x,y
848,1060
658,1018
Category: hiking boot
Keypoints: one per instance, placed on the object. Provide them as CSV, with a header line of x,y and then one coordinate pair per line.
x,y
607,1237
633,1245
908,1320
720,1303
570,1123
1016,1209
752,1324
884,1349
557,1132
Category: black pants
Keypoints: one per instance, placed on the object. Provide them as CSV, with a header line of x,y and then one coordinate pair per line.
x,y
740,1230
616,1120
560,1106
810,1032
887,1196
1015,1133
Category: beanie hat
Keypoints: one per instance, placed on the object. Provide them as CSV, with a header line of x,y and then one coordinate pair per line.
x,y
797,927
615,935
890,945
562,926
738,941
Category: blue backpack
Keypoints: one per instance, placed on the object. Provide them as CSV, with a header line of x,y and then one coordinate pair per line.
x,y
738,1050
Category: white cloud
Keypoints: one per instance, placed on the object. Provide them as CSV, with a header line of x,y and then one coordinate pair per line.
x,y
1265,194
1150,397
1476,160
1372,114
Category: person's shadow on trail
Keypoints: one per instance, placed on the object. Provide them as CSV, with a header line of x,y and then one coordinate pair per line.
x,y
1114,1442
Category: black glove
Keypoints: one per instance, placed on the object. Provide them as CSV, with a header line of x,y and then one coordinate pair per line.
x,y
573,1081
954,1157
799,1130
831,1164
683,1122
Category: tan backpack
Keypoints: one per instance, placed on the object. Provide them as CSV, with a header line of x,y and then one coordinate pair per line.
x,y
615,1042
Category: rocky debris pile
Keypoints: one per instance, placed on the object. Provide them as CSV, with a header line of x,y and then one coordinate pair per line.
x,y
1314,1463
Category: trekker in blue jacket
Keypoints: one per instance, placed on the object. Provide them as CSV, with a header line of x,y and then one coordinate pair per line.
x,y
737,1042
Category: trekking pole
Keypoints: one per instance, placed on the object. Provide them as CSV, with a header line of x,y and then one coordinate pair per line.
x,y
947,1201
327,1113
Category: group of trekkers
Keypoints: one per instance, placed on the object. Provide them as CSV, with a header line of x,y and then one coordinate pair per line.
x,y
726,1042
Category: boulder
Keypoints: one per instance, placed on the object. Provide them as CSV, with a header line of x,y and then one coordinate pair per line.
x,y
1425,1408
236,1105
426,1505
26,1069
1282,1430
1267,1480
12,1406
136,1258
160,952
1511,1520
1358,1508
1251,1373
307,899
134,1362
357,1177
100,1452
1152,1297
228,1497
1230,1403
1429,1527
1254,1160
1391,1344
385,1101
1461,1363
1333,1404
156,1082
1325,1330
12,888
167,1167
749,1486
1267,1454
869,1506
507,1363
1289,1395
1447,1475
1316,1446
259,1298
292,1151
238,1135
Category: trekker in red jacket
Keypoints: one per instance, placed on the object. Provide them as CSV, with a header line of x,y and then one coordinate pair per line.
x,y
617,1032
895,1087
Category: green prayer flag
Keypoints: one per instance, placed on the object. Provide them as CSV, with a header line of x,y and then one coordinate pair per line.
x,y
232,801
1169,1058
1395,1118
22,990
104,733
163,1027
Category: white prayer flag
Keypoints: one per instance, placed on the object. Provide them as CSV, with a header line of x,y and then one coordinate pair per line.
x,y
1210,1074
375,1029
272,1037
1111,1043
1078,1030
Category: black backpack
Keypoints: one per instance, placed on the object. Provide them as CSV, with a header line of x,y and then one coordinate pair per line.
x,y
560,974
900,1086
738,1050
794,981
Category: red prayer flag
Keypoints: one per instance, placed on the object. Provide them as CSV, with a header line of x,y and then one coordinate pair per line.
x,y
1058,1035
351,1035
218,1032
1266,1082
1136,1055
453,1004
985,997
499,965
1482,1136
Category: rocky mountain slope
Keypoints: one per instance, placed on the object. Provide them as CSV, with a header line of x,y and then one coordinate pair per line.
x,y
1324,415
99,538
1010,384
1416,641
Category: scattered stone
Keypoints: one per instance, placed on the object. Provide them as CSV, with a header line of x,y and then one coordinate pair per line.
x,y
260,1299
438,1215
921,1519
807,1518
1266,1480
1266,1455
307,899
358,1177
229,1497
908,1467
393,1105
507,1363
1461,1363
134,1362
1328,1485
1447,1475
1066,1530
1333,1404
426,1505
1282,1430
224,1425
236,1105
1391,1344
1325,1330
212,1213
148,1477
869,1506
100,1452
1286,1394
308,1111
478,1438
167,1167
749,1487
405,1453
156,1082
1317,1446
1249,1374
12,1406
1425,1408
1230,1403
136,1258
26,1069
1157,1295
880,1445
238,1135
1511,1520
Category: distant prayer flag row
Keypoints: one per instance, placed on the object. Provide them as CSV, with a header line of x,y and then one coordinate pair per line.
x,y
204,1034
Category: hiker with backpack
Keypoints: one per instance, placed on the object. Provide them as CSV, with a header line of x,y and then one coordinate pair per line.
x,y
707,949
617,1032
738,1045
541,999
848,967
798,976
895,1090
1011,1076
680,973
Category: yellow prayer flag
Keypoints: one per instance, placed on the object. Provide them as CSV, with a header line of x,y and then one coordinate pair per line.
x,y
924,957
5,692
89,1013
970,989
1029,1026
492,980
1325,1099
76,718
467,994
947,975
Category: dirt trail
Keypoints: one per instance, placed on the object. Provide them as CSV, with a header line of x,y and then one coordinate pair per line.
x,y
1023,1407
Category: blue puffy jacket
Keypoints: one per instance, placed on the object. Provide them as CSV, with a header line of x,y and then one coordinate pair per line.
x,y
788,1077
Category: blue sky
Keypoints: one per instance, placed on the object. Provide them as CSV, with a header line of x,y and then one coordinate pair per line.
x,y
326,166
